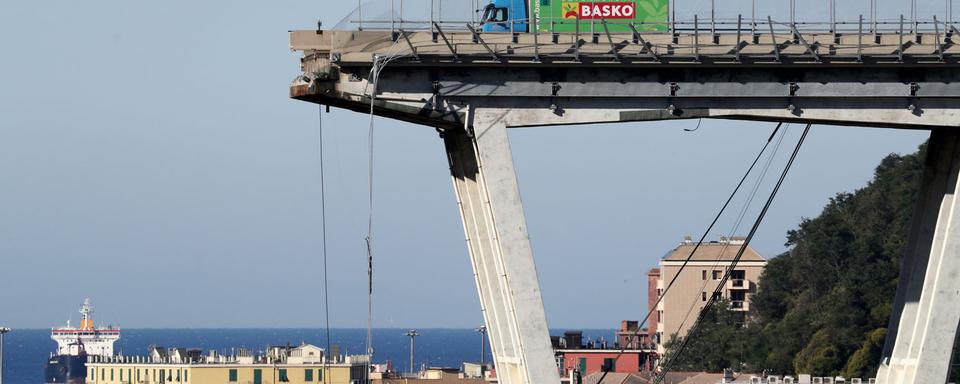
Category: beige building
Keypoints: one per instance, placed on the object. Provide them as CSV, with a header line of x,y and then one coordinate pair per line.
x,y
282,365
678,309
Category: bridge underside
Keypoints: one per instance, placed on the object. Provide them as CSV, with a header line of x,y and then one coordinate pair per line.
x,y
472,88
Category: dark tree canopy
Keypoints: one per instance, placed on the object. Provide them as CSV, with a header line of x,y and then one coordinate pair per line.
x,y
823,306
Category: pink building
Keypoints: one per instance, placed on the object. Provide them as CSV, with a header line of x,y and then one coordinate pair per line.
x,y
576,358
587,361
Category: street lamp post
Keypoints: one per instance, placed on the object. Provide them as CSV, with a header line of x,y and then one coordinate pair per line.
x,y
411,334
483,342
3,330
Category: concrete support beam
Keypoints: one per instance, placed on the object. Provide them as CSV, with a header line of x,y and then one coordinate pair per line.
x,y
496,232
926,310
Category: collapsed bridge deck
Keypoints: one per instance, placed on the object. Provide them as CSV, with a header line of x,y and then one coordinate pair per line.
x,y
473,86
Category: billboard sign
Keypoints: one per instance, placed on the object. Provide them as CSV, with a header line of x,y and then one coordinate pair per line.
x,y
563,15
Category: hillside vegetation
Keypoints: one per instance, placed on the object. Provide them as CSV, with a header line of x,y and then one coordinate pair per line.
x,y
823,306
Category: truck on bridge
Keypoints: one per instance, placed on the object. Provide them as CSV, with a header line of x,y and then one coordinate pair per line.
x,y
567,15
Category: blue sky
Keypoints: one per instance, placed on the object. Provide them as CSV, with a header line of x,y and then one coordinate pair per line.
x,y
151,160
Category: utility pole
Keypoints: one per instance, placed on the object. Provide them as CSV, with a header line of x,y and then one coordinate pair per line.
x,y
483,343
3,330
411,334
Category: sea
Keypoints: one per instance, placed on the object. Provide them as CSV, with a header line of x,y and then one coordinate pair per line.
x,y
26,350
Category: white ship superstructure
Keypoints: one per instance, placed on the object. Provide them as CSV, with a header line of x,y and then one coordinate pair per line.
x,y
88,338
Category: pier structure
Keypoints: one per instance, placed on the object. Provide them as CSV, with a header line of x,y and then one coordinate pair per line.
x,y
473,86
3,331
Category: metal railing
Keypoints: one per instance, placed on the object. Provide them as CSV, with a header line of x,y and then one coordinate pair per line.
x,y
422,15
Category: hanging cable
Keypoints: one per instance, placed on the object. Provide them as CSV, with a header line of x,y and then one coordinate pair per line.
x,y
696,326
743,212
379,62
374,75
700,120
695,248
323,238
739,220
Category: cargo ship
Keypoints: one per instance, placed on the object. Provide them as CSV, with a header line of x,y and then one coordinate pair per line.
x,y
74,344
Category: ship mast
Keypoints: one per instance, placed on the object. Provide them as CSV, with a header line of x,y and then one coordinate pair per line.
x,y
87,311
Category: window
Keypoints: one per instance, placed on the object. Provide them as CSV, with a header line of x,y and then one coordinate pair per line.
x,y
121,375
257,376
717,275
319,375
703,296
233,376
178,375
308,375
163,375
493,14
609,364
138,375
716,296
703,275
111,374
582,364
185,373
283,375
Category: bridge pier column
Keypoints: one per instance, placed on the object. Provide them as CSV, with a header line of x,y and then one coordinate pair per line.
x,y
496,232
926,310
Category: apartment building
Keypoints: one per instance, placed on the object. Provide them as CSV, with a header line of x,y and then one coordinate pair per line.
x,y
304,364
698,281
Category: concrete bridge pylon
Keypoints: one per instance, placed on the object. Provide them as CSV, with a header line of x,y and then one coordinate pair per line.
x,y
926,312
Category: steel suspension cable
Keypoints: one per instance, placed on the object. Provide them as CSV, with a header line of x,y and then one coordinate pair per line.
x,y
739,220
323,237
379,62
699,243
753,230
369,238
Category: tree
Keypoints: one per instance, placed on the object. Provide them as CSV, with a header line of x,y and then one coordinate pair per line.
x,y
719,341
862,362
822,307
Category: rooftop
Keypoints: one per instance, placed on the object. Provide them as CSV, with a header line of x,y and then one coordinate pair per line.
x,y
723,250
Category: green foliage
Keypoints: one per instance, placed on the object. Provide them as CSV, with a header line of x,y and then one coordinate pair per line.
x,y
823,307
863,362
821,354
719,343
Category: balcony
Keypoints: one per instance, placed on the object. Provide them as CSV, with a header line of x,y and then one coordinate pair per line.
x,y
740,305
738,284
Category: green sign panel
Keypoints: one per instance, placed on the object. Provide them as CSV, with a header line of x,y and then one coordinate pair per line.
x,y
563,15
